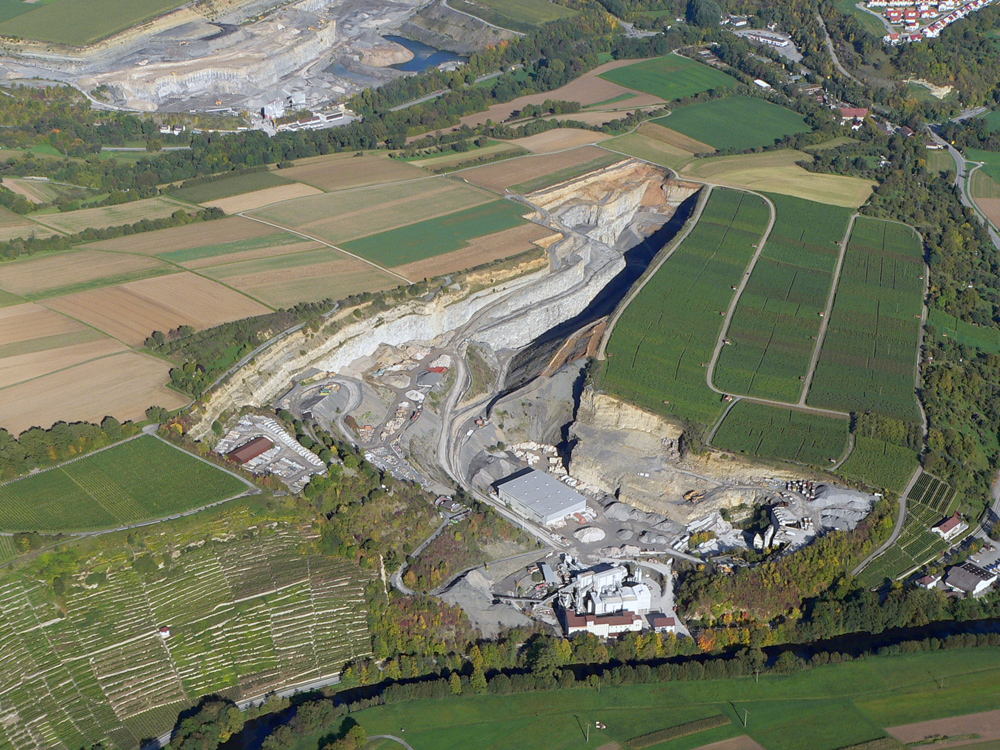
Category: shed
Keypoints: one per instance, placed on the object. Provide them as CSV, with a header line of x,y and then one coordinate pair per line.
x,y
251,450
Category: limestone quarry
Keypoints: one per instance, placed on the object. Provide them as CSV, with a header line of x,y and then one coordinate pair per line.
x,y
241,55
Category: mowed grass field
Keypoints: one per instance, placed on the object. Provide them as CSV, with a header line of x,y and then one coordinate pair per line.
x,y
131,482
111,216
80,22
660,347
529,12
445,234
773,331
824,708
783,434
735,122
671,77
868,359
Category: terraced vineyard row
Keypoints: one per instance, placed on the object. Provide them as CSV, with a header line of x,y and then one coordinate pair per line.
x,y
869,354
783,434
661,345
773,330
928,502
246,616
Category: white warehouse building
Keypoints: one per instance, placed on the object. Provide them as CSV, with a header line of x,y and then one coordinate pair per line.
x,y
540,497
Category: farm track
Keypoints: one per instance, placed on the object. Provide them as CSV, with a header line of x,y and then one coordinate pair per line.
x,y
897,530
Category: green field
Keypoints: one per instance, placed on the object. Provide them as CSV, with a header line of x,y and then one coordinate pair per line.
x,y
784,434
867,20
278,239
132,482
662,342
230,186
940,161
993,120
928,503
444,234
990,160
80,22
868,360
521,12
824,708
253,610
773,331
737,122
967,334
879,464
671,77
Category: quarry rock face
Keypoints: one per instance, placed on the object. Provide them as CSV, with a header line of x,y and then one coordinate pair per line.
x,y
384,55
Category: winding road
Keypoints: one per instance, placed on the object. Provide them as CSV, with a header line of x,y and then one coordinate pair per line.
x,y
896,530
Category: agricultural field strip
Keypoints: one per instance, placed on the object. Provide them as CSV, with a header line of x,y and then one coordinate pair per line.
x,y
330,245
823,323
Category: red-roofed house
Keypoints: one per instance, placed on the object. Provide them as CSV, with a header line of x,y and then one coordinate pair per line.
x,y
663,624
951,527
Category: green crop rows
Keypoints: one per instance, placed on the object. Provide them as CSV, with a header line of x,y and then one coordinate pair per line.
x,y
928,504
131,482
664,339
784,434
773,331
869,353
230,186
879,464
7,550
671,77
247,616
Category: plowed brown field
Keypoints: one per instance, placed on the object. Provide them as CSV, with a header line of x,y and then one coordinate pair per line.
x,y
560,140
341,171
131,312
181,238
31,321
986,725
122,385
35,275
260,198
501,176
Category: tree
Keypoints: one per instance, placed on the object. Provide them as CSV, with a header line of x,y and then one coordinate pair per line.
x,y
455,683
703,13
478,682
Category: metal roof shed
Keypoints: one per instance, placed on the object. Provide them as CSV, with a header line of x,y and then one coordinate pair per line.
x,y
540,497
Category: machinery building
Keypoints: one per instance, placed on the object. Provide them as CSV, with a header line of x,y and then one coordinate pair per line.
x,y
605,600
540,497
248,451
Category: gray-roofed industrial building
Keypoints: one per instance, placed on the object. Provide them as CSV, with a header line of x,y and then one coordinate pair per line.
x,y
540,497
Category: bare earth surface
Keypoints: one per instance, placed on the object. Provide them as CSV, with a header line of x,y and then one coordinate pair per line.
x,y
31,321
587,89
660,133
261,198
504,174
53,271
990,207
986,725
130,381
559,140
480,250
341,171
131,312
23,367
181,238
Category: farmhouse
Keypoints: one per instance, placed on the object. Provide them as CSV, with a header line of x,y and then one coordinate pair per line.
x,y
540,497
969,579
950,528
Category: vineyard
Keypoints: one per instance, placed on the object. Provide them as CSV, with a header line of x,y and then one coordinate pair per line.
x,y
879,464
783,434
869,353
249,612
778,316
664,339
928,503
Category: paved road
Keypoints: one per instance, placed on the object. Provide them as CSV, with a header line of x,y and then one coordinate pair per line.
x,y
392,737
897,529
833,53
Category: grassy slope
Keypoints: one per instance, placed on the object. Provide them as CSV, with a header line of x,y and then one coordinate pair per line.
x,y
821,709
670,77
131,482
80,22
